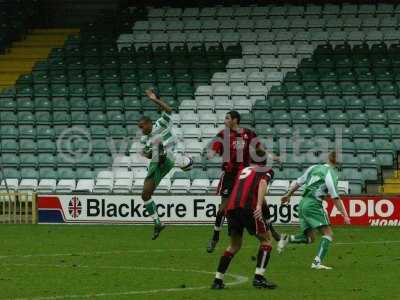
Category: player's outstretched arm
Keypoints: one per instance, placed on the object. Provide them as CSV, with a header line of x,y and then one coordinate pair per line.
x,y
153,97
293,188
339,205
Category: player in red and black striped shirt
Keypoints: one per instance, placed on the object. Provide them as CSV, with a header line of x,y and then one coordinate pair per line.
x,y
236,145
245,211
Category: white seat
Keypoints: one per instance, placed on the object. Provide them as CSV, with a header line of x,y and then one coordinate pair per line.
x,y
123,185
343,187
200,186
180,186
189,117
138,160
164,186
190,105
12,184
250,50
66,186
209,132
279,187
237,77
205,104
239,92
192,132
207,118
122,161
204,90
235,64
219,78
176,119
47,186
213,186
221,92
103,185
193,147
242,104
137,186
224,105
28,185
85,185
139,173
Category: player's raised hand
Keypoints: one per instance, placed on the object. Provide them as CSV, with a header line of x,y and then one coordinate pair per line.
x,y
151,94
285,199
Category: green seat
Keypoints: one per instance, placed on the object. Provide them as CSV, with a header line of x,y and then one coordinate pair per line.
x,y
77,90
372,102
47,159
261,117
101,160
84,173
132,103
27,145
112,89
29,173
46,145
117,131
27,131
376,117
129,89
47,173
338,118
10,160
61,117
261,105
12,173
25,104
113,102
354,102
25,91
132,116
78,103
388,88
26,117
28,160
43,118
99,145
94,90
324,132
7,104
96,103
281,118
8,131
115,117
97,117
42,104
335,103
128,76
299,118
65,173
279,103
44,131
41,91
318,117
79,118
98,131
60,104
318,104
59,90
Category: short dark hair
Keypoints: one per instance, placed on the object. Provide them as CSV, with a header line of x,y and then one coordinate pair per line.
x,y
235,115
145,119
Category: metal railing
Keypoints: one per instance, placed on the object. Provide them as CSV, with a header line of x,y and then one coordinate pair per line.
x,y
18,208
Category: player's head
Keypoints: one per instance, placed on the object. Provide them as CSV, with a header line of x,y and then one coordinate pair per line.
x,y
332,158
146,125
232,119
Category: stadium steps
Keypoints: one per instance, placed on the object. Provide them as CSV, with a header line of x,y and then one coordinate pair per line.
x,y
22,56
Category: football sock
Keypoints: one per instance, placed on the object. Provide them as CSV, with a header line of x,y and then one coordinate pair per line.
x,y
224,262
264,253
219,221
152,210
326,240
299,239
274,233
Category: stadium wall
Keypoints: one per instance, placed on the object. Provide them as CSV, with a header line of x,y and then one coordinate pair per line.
x,y
199,209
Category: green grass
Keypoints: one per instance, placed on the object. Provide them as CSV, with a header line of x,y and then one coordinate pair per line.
x,y
46,261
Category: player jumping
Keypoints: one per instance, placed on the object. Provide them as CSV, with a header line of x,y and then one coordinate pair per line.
x,y
245,210
158,144
318,180
235,145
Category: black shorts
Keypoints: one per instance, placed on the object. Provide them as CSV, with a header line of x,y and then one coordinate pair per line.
x,y
226,183
240,219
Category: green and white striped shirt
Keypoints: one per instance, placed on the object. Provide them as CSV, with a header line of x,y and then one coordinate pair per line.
x,y
319,181
161,135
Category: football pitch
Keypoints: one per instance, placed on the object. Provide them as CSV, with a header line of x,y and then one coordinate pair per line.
x,y
121,262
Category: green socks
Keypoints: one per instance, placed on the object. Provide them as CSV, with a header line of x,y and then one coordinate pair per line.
x,y
298,239
152,210
323,247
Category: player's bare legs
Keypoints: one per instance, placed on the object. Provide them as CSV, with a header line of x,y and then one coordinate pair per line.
x,y
306,237
148,190
219,221
225,260
326,240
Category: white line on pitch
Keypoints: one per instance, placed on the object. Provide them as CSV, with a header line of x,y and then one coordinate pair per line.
x,y
239,279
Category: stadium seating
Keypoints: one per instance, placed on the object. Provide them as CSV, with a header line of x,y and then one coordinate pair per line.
x,y
308,71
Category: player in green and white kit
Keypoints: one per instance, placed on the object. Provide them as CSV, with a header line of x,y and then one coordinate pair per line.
x,y
319,180
158,144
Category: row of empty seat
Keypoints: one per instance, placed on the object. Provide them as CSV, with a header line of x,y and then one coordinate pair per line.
x,y
274,10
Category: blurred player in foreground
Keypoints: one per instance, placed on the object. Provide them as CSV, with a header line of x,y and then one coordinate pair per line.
x,y
319,180
245,211
158,144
